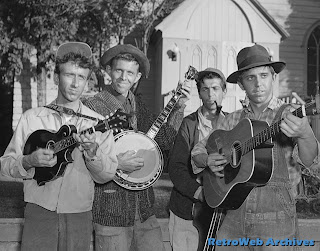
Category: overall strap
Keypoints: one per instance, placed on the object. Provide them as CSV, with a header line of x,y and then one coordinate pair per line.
x,y
243,114
281,176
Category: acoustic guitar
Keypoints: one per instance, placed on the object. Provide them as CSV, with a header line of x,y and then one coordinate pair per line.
x,y
62,143
248,150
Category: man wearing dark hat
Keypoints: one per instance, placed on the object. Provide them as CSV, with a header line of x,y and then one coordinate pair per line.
x,y
268,211
123,218
58,213
187,190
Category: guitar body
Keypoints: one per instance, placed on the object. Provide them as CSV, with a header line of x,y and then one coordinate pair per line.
x,y
45,139
243,171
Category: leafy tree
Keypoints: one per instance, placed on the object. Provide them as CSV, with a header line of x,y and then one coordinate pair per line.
x,y
39,25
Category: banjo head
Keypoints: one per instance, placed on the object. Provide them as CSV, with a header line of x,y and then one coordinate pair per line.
x,y
145,148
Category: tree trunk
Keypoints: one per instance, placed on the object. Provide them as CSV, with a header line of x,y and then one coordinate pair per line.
x,y
41,86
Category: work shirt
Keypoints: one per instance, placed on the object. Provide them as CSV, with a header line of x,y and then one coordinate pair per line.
x,y
205,127
74,191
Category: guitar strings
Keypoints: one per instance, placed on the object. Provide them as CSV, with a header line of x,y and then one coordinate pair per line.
x,y
214,227
250,144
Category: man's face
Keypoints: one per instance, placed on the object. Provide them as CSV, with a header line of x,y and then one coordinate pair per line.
x,y
124,74
257,82
211,92
71,82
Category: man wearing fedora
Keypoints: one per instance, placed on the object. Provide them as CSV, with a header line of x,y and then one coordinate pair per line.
x,y
268,211
125,219
58,213
187,190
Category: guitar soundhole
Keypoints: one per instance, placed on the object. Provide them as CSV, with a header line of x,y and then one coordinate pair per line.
x,y
236,153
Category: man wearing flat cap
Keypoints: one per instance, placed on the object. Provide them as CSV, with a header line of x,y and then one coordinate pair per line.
x,y
123,218
187,188
58,213
268,211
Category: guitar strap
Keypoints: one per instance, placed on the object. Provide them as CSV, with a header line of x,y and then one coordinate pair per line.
x,y
68,111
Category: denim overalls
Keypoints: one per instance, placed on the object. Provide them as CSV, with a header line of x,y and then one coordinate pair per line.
x,y
269,211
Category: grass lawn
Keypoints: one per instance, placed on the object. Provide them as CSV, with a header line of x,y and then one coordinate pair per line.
x,y
12,204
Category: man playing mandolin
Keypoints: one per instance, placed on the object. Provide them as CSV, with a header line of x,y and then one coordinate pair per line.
x,y
125,219
268,207
58,212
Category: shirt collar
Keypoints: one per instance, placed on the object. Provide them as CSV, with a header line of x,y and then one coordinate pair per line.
x,y
273,104
206,122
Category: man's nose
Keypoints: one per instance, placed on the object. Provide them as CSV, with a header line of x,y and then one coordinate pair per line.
x,y
76,81
124,75
257,81
211,92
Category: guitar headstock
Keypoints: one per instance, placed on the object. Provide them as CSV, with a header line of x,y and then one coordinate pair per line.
x,y
312,107
191,74
118,120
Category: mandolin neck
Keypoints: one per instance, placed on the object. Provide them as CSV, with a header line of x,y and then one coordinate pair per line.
x,y
69,141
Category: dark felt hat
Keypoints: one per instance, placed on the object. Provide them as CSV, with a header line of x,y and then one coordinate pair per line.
x,y
254,56
127,48
201,74
75,47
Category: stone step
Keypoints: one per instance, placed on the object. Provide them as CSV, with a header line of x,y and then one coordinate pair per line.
x,y
11,230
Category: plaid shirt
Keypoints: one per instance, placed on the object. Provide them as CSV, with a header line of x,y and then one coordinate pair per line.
x,y
267,115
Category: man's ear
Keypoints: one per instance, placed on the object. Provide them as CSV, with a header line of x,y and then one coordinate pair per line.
x,y
108,70
224,92
241,86
139,75
56,78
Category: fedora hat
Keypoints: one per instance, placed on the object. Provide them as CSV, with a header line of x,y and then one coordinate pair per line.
x,y
254,56
201,74
75,47
126,48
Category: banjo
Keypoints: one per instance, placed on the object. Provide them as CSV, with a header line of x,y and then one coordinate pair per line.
x,y
146,147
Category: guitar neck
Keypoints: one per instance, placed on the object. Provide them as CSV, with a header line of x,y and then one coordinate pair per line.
x,y
273,129
164,114
69,141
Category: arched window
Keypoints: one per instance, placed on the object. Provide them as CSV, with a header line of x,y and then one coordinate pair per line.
x,y
313,62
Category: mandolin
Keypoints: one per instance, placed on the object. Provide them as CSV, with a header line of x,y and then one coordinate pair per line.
x,y
62,143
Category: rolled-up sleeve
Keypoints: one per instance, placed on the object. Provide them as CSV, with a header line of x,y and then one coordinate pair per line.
x,y
104,165
199,148
315,166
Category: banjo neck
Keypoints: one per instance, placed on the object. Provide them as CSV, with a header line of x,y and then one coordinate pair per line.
x,y
164,114
161,119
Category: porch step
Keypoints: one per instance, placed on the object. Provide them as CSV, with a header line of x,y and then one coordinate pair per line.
x,y
11,230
